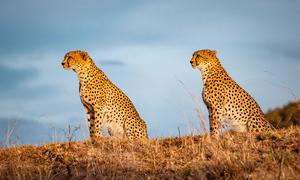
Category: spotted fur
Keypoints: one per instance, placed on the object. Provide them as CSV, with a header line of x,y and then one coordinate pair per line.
x,y
225,99
105,104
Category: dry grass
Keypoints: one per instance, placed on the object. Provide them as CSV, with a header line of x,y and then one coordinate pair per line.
x,y
270,155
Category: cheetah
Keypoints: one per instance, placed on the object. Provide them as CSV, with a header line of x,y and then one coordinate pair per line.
x,y
105,104
224,98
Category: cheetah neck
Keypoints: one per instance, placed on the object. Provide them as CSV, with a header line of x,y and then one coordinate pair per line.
x,y
212,71
87,73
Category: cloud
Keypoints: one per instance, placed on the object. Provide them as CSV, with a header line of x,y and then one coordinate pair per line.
x,y
27,93
25,131
59,25
275,49
15,83
111,63
289,49
12,78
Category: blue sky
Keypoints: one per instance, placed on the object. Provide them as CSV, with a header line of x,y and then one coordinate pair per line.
x,y
145,48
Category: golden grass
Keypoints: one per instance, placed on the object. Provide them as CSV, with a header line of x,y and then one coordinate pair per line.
x,y
270,155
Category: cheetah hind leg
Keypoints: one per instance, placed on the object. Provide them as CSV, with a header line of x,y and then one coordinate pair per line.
x,y
135,129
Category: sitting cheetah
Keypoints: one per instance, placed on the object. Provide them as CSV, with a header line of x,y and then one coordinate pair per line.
x,y
105,104
224,98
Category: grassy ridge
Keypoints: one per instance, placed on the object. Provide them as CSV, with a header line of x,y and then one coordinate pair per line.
x,y
285,116
267,155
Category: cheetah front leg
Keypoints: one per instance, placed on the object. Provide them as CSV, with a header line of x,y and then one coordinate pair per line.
x,y
94,124
90,114
215,117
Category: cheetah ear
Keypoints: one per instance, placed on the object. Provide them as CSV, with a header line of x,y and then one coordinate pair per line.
x,y
84,55
213,53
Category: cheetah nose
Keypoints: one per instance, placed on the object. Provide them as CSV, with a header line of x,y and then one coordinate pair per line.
x,y
191,62
62,63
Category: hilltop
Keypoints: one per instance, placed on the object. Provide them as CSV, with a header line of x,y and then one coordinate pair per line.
x,y
266,155
285,116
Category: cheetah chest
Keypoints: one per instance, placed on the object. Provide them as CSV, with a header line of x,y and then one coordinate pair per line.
x,y
84,101
110,124
232,113
114,129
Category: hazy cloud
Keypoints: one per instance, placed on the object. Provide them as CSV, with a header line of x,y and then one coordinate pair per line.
x,y
25,131
111,63
14,83
27,92
12,78
288,49
59,25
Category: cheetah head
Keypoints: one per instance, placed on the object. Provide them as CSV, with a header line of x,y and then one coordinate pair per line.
x,y
203,58
75,60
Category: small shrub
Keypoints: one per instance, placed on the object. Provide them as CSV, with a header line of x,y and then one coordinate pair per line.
x,y
285,116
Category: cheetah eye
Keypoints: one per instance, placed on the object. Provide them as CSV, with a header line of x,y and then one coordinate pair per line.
x,y
70,58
